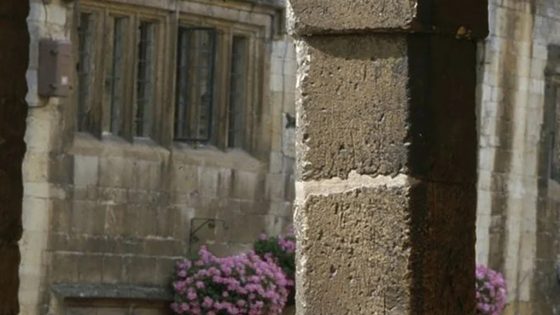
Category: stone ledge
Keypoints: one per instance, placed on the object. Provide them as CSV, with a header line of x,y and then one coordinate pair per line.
x,y
111,291
466,18
278,4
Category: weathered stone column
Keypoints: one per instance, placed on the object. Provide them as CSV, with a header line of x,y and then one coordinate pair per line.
x,y
14,51
386,155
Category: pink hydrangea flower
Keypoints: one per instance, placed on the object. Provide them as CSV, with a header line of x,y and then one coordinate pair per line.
x,y
235,285
491,292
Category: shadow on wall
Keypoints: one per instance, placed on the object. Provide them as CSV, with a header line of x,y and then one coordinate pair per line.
x,y
13,112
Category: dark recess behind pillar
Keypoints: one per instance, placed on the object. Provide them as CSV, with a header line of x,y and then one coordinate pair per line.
x,y
14,52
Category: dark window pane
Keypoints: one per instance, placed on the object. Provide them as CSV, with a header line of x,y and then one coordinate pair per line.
x,y
85,58
237,93
116,76
145,79
195,71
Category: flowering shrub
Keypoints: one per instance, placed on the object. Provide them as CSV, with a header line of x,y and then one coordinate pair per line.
x,y
490,291
245,284
282,249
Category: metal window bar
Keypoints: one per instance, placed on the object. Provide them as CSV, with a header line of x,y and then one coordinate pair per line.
x,y
116,76
145,79
85,51
195,81
237,93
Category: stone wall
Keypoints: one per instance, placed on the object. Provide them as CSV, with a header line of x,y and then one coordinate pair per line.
x,y
13,63
114,213
518,210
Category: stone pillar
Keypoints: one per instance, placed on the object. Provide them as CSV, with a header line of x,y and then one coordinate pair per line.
x,y
386,145
14,49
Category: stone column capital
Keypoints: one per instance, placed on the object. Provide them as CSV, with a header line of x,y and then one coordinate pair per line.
x,y
461,18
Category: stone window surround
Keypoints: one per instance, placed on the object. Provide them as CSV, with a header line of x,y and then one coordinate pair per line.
x,y
243,18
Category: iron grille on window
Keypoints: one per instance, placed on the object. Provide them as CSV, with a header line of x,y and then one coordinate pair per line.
x,y
145,79
85,58
238,77
195,77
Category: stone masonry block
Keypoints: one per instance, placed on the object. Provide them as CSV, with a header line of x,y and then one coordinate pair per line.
x,y
244,228
442,245
35,167
64,267
365,235
162,247
185,178
90,268
377,105
112,269
391,250
86,170
314,16
354,98
136,268
87,218
164,270
442,135
247,185
112,172
208,181
309,17
36,218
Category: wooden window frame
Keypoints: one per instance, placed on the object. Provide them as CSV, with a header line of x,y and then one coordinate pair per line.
x,y
116,94
183,108
100,116
226,31
258,34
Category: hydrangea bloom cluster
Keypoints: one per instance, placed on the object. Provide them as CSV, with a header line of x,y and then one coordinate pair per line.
x,y
490,291
282,250
245,285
